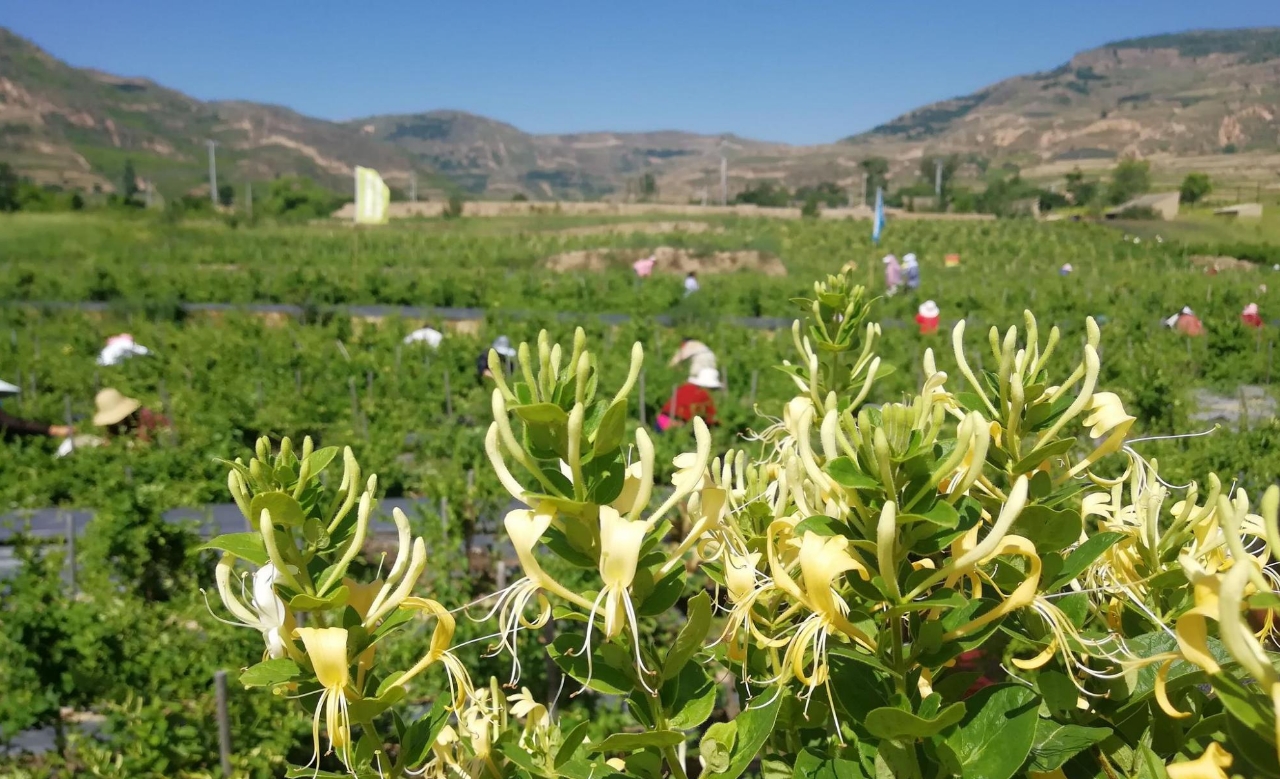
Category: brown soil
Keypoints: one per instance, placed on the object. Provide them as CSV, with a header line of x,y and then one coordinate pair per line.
x,y
669,260
1221,263
648,228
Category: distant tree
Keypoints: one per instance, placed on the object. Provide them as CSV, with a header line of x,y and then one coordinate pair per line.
x,y
1230,148
1194,187
877,170
455,207
8,188
828,194
76,202
297,197
764,193
648,187
1082,192
519,197
811,208
128,182
1130,179
226,194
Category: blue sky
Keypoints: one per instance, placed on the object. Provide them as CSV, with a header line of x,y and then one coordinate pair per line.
x,y
799,72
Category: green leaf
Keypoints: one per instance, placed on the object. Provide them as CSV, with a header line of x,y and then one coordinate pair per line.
x,y
570,743
1082,557
247,546
631,742
1056,742
269,673
613,427
892,723
420,736
1052,449
609,670
899,760
691,635
847,474
753,727
542,414
822,525
810,765
284,510
664,595
368,708
997,732
1059,694
941,514
334,600
320,459
1049,530
689,698
716,747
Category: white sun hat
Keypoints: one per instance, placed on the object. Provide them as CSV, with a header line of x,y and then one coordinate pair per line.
x,y
707,378
928,309
502,345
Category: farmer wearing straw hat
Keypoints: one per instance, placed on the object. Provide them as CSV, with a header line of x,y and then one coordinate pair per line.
x,y
17,426
692,400
1250,316
122,415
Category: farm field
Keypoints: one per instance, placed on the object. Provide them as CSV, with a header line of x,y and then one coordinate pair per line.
x,y
131,648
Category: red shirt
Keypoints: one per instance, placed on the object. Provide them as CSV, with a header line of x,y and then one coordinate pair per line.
x,y
691,401
928,324
1252,320
1189,325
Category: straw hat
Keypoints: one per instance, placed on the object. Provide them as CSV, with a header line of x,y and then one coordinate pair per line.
x,y
888,258
707,378
928,309
113,407
8,390
1252,308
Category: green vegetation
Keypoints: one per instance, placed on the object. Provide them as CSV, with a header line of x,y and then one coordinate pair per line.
x,y
228,378
1129,179
1194,187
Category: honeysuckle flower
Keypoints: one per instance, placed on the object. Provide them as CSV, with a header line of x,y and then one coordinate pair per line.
x,y
822,561
1107,418
327,650
264,611
1238,639
1209,765
438,651
536,717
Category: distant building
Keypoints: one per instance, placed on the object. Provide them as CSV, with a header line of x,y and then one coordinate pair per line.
x,y
1240,211
1164,204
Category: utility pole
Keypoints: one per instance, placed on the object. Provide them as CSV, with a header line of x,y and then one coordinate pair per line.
x,y
937,180
213,174
413,186
724,180
248,198
865,181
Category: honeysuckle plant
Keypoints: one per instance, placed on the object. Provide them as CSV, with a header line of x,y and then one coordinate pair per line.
x,y
984,579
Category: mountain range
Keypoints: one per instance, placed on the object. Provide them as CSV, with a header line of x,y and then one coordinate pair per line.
x,y
1192,93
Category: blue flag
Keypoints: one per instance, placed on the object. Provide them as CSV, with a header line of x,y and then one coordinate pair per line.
x,y
877,224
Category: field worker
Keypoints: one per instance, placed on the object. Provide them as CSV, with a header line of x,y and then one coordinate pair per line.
x,y
501,345
1250,316
927,317
1066,269
691,400
892,274
425,335
121,416
12,426
911,271
644,268
691,283
698,354
1185,322
120,348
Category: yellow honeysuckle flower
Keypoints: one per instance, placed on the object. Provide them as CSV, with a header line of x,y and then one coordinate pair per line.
x,y
536,717
740,574
1209,765
620,542
1022,595
327,650
1239,641
1107,417
438,652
